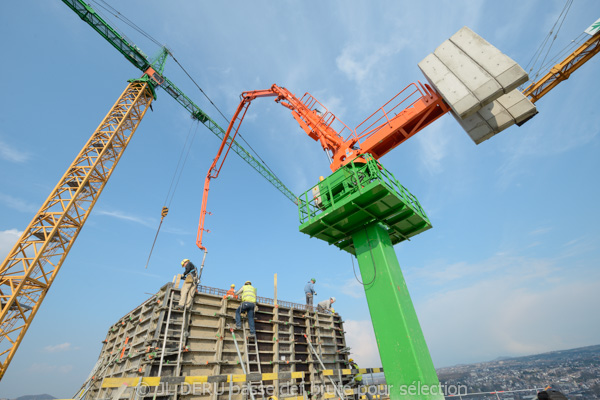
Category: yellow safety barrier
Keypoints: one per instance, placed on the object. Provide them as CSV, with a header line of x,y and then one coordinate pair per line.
x,y
334,372
156,380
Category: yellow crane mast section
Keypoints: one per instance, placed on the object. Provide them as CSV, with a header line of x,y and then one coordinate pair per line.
x,y
564,69
31,266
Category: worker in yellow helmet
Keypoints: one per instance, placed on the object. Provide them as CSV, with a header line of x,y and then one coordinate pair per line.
x,y
188,289
248,296
357,379
230,293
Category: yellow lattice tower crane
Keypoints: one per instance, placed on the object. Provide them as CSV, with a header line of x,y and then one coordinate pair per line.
x,y
31,266
563,70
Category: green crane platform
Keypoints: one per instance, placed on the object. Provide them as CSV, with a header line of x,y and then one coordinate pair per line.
x,y
362,209
355,196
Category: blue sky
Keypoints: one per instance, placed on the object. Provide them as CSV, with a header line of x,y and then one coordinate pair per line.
x,y
510,267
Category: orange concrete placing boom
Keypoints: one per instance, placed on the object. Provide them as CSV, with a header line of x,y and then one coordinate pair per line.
x,y
411,110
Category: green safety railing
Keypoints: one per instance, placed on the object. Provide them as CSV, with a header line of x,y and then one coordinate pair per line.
x,y
348,180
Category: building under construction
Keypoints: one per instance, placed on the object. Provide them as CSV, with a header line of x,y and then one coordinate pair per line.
x,y
161,351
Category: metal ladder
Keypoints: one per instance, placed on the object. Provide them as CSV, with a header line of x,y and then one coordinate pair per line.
x,y
247,344
237,348
180,341
335,386
82,392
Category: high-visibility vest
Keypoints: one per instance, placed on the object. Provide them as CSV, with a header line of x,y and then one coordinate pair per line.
x,y
358,376
249,294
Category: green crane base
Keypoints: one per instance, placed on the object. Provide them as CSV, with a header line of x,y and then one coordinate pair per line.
x,y
362,209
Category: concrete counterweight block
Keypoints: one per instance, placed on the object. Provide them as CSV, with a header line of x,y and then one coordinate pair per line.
x,y
505,70
462,101
470,73
479,82
509,109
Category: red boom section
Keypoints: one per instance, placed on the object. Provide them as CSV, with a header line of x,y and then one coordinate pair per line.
x,y
405,114
411,110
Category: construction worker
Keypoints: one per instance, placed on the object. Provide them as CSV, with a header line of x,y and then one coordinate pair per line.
x,y
309,291
325,305
230,293
188,290
357,380
248,296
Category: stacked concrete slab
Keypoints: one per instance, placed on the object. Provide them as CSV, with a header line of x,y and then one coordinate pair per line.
x,y
479,83
133,349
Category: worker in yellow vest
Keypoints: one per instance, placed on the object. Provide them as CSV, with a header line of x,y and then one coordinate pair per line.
x,y
357,380
248,296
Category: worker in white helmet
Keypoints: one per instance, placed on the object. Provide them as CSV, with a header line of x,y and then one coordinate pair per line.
x,y
188,290
325,305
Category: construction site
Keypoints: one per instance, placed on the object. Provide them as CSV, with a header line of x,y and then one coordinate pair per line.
x,y
187,276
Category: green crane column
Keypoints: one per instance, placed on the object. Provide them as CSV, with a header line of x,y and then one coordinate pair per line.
x,y
404,354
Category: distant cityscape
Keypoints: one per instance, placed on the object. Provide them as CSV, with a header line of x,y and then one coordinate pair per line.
x,y
575,373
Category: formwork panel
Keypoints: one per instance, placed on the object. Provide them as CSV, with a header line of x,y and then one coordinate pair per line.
x,y
146,343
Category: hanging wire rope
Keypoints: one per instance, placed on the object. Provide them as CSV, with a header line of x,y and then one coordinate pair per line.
x,y
177,175
372,260
568,49
107,7
187,146
225,118
104,5
549,42
565,11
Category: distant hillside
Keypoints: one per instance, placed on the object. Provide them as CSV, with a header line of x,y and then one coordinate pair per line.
x,y
557,355
36,397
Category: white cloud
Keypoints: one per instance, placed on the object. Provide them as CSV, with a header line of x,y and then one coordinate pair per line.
x,y
17,204
149,222
59,348
540,231
509,305
494,317
353,288
43,368
359,60
501,265
8,239
11,154
545,138
366,63
434,144
361,338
